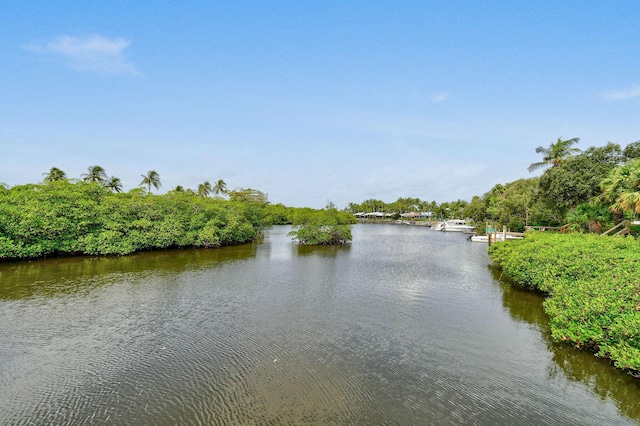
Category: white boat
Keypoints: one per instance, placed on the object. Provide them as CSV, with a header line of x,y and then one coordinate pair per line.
x,y
454,225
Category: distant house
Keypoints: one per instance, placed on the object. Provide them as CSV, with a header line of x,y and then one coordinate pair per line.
x,y
373,215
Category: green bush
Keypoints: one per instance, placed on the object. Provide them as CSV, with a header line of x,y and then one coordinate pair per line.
x,y
322,227
66,218
593,285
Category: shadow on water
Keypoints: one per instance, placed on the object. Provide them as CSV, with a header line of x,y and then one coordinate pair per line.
x,y
49,277
597,374
322,251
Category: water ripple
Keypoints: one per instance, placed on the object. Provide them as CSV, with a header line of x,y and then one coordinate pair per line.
x,y
402,327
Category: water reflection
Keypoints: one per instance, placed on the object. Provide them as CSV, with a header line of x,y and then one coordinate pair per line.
x,y
67,275
322,251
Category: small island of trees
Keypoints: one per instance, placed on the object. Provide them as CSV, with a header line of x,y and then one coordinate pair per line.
x,y
322,227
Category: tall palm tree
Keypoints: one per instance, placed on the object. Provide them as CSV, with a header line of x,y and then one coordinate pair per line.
x,y
555,153
220,187
204,189
54,174
152,178
622,188
96,174
114,184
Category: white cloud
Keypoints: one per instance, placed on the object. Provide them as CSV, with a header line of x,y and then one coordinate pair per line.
x,y
621,95
440,97
92,53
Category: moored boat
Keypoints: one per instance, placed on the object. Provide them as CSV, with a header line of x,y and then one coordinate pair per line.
x,y
454,225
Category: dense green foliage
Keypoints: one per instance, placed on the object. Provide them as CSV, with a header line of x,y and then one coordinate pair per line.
x,y
516,204
577,179
593,284
621,187
322,227
570,192
61,217
632,151
278,214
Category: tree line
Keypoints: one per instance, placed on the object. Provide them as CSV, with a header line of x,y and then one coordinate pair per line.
x,y
92,216
587,190
97,174
67,217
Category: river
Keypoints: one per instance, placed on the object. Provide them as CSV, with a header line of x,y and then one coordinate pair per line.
x,y
403,326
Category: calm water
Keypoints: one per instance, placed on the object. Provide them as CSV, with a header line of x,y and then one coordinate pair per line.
x,y
404,326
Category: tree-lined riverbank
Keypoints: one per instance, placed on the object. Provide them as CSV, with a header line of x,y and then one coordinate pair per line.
x,y
593,287
68,218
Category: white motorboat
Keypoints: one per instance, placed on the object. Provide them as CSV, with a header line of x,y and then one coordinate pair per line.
x,y
454,225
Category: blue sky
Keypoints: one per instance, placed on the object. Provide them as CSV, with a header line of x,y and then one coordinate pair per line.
x,y
313,101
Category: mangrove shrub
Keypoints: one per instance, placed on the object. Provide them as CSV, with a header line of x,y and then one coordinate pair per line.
x,y
66,218
322,227
593,287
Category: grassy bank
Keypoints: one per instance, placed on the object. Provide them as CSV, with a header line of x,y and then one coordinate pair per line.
x,y
593,285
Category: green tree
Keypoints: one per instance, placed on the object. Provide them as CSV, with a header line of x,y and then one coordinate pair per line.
x,y
632,151
353,208
204,189
590,217
220,187
95,174
451,209
513,204
577,179
373,205
278,214
54,174
152,178
556,153
322,227
622,188
114,184
476,210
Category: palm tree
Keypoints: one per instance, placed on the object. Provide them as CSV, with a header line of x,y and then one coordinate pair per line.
x,y
220,187
114,184
96,174
151,178
54,174
556,153
622,188
589,217
204,189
